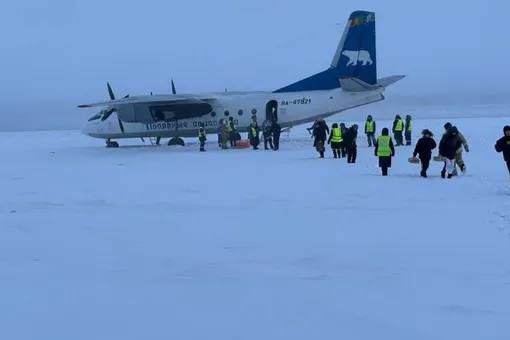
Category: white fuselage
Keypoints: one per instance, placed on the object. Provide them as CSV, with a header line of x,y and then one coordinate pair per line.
x,y
293,108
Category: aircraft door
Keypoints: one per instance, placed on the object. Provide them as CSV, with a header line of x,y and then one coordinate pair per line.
x,y
272,110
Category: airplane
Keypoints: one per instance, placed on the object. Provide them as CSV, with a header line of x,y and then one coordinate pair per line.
x,y
350,81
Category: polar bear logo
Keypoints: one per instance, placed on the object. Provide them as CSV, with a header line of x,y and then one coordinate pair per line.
x,y
357,56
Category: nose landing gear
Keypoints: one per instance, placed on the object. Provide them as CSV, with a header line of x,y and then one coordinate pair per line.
x,y
111,144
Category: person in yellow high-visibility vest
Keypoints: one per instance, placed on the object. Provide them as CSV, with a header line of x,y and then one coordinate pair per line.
x,y
384,150
335,139
370,130
398,129
231,131
253,134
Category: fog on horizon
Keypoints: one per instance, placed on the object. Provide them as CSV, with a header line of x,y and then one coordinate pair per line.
x,y
60,53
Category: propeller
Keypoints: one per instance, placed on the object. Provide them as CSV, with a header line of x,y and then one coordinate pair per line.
x,y
110,110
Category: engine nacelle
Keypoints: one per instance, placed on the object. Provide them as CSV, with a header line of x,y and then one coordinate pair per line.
x,y
148,113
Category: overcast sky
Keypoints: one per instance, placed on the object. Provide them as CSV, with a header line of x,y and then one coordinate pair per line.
x,y
58,53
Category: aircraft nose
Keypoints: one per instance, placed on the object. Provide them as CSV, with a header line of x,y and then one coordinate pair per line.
x,y
85,129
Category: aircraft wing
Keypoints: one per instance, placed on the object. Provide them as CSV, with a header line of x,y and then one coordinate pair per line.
x,y
168,99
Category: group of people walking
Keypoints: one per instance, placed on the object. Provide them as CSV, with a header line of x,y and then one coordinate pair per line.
x,y
343,144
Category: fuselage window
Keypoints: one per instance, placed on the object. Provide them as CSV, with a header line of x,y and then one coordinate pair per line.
x,y
240,112
227,113
213,114
254,111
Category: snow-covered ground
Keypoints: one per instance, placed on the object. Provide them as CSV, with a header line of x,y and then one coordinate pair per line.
x,y
170,243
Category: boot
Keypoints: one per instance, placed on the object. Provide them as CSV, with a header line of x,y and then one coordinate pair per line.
x,y
443,174
450,176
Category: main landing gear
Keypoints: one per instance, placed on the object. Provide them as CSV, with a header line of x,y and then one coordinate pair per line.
x,y
111,144
176,140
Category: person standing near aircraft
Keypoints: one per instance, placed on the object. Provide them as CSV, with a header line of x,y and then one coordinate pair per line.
x,y
276,130
384,149
253,133
503,145
344,130
231,130
424,148
224,135
408,129
320,133
351,147
370,130
220,128
267,132
398,128
335,140
448,146
202,138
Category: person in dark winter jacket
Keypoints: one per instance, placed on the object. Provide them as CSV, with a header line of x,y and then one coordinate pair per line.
x,y
424,148
448,146
344,129
277,130
503,145
350,143
320,132
384,149
267,132
459,161
408,128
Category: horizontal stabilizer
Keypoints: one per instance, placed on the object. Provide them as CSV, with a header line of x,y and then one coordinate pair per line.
x,y
351,84
387,81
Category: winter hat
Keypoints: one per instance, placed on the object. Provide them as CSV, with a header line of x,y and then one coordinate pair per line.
x,y
506,128
448,126
427,132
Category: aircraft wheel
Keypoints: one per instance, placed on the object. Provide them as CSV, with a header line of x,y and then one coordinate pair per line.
x,y
112,144
176,141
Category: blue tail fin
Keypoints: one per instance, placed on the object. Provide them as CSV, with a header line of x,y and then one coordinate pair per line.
x,y
355,57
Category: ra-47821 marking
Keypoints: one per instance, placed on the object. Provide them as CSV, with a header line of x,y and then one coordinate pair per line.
x,y
297,101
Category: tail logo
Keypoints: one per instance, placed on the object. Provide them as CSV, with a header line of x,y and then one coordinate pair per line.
x,y
356,56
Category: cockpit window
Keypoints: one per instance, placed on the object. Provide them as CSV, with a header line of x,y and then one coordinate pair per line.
x,y
95,117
